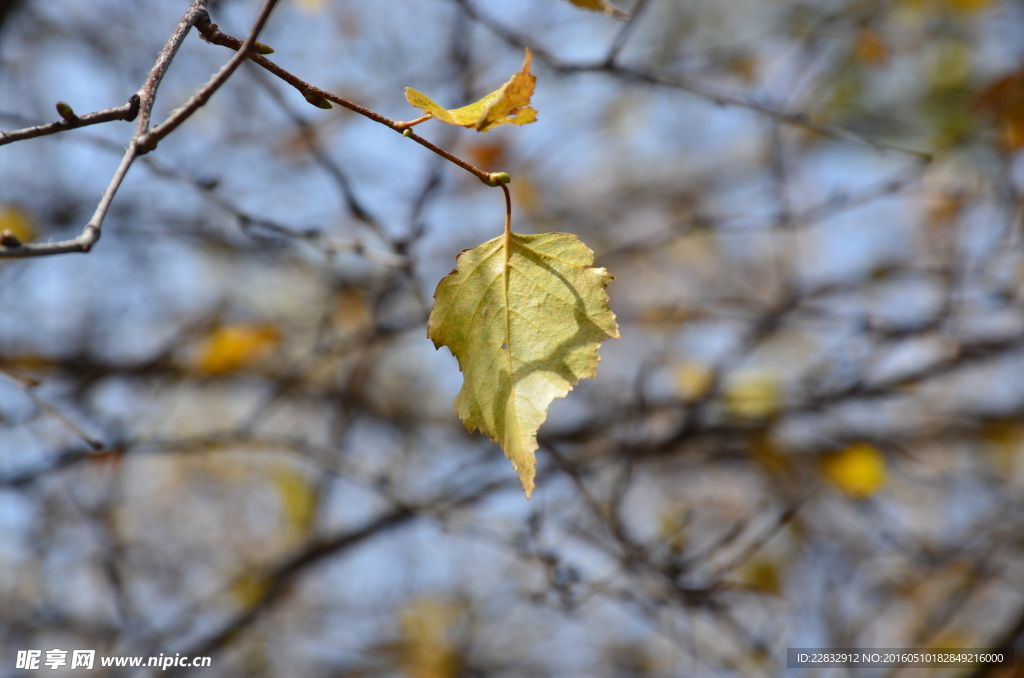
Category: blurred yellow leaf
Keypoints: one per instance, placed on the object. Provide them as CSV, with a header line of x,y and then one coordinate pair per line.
x,y
743,66
231,347
673,522
601,6
351,313
943,207
667,318
311,6
952,640
508,104
1004,439
968,5
1004,99
488,155
692,380
428,650
249,590
870,48
18,222
754,394
965,6
525,194
950,63
766,453
299,499
761,574
859,470
630,659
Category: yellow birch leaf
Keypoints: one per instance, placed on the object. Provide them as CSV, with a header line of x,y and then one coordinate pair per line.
x,y
601,6
509,104
524,315
232,347
859,470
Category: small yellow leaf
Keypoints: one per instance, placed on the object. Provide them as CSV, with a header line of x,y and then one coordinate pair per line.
x,y
692,380
1004,98
950,63
754,394
428,648
859,470
674,523
761,574
509,104
231,347
487,156
601,6
18,222
870,48
351,313
299,499
311,6
249,590
968,6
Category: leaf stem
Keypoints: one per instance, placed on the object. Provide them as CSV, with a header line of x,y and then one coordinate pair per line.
x,y
411,123
508,211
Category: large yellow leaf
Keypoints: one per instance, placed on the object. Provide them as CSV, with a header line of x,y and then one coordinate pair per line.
x,y
601,6
524,315
509,104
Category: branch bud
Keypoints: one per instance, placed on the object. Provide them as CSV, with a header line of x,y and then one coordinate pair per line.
x,y
8,239
65,111
406,132
497,179
260,48
316,100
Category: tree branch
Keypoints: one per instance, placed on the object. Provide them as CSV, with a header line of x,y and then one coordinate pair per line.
x,y
127,112
147,141
144,139
214,35
609,66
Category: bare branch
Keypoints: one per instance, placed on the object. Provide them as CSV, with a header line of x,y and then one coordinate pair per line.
x,y
145,139
609,66
215,36
127,112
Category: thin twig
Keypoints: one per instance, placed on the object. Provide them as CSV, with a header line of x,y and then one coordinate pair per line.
x,y
149,140
147,95
309,91
145,139
127,112
624,33
720,98
28,388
